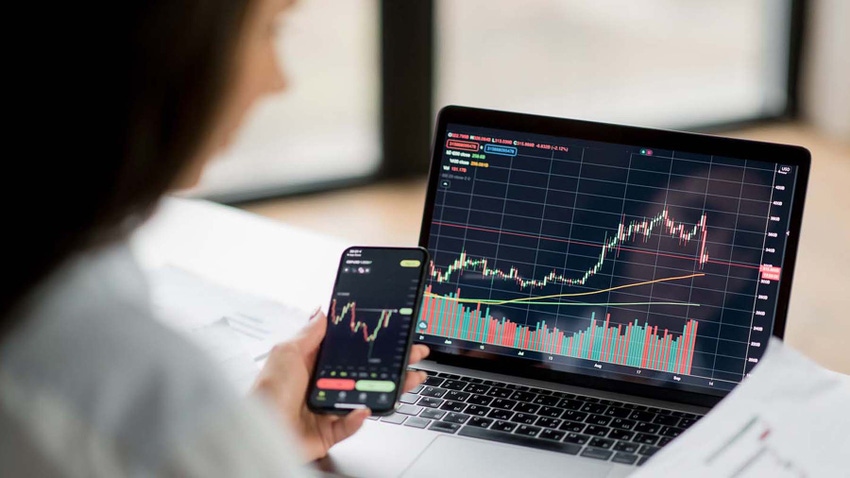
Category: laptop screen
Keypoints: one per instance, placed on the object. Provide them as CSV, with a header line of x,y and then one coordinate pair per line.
x,y
618,261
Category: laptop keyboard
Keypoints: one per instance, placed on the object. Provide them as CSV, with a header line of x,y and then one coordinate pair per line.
x,y
592,427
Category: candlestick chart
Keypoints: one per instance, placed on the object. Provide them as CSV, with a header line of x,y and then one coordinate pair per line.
x,y
600,257
380,320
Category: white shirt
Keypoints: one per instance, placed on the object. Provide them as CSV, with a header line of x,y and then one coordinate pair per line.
x,y
92,385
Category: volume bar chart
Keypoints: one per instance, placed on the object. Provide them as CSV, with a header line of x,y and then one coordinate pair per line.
x,y
642,346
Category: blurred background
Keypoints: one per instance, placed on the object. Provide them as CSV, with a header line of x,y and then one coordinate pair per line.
x,y
345,150
368,76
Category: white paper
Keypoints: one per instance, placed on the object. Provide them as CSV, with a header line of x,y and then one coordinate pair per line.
x,y
790,418
236,329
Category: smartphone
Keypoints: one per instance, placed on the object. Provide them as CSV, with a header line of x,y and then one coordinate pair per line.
x,y
362,359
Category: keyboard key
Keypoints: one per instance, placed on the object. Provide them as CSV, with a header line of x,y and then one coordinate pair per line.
x,y
671,432
395,419
552,412
663,441
527,430
433,381
624,458
445,427
417,389
417,422
569,404
475,380
432,392
597,453
457,396
432,413
523,396
589,399
448,375
667,420
524,418
574,416
503,426
454,385
514,386
572,427
593,408
576,438
526,407
453,406
480,422
549,434
642,460
476,388
430,402
477,410
456,418
643,427
647,450
503,403
686,422
497,392
642,416
489,383
408,398
601,442
626,447
622,424
645,439
479,400
409,409
609,402
563,395
548,422
429,372
596,430
653,410
540,391
500,414
618,412
515,439
598,420
620,434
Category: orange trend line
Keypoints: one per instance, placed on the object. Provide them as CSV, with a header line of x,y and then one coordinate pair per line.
x,y
574,294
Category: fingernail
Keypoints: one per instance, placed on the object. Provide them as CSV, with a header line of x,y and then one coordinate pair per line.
x,y
315,312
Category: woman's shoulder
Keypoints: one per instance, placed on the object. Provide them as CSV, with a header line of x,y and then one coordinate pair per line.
x,y
89,350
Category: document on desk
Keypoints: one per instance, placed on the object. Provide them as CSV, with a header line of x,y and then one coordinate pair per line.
x,y
237,329
790,418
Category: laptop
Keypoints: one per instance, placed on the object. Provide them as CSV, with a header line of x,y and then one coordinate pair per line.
x,y
593,291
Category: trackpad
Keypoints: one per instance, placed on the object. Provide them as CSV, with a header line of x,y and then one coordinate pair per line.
x,y
449,456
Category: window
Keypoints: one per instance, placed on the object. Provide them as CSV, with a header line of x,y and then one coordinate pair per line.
x,y
662,63
325,127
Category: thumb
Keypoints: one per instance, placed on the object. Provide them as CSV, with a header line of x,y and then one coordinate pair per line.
x,y
311,335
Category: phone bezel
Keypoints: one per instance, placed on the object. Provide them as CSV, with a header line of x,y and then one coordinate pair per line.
x,y
316,408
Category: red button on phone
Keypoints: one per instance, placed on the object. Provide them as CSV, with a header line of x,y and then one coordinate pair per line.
x,y
335,384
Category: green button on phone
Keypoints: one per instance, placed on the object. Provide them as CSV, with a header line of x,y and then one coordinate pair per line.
x,y
374,386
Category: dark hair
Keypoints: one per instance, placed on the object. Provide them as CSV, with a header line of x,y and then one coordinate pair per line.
x,y
128,107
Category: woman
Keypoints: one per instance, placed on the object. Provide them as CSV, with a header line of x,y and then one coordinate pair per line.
x,y
90,384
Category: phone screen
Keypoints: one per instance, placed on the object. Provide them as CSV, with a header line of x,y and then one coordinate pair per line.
x,y
363,357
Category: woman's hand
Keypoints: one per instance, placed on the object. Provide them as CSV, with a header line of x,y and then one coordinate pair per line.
x,y
284,380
